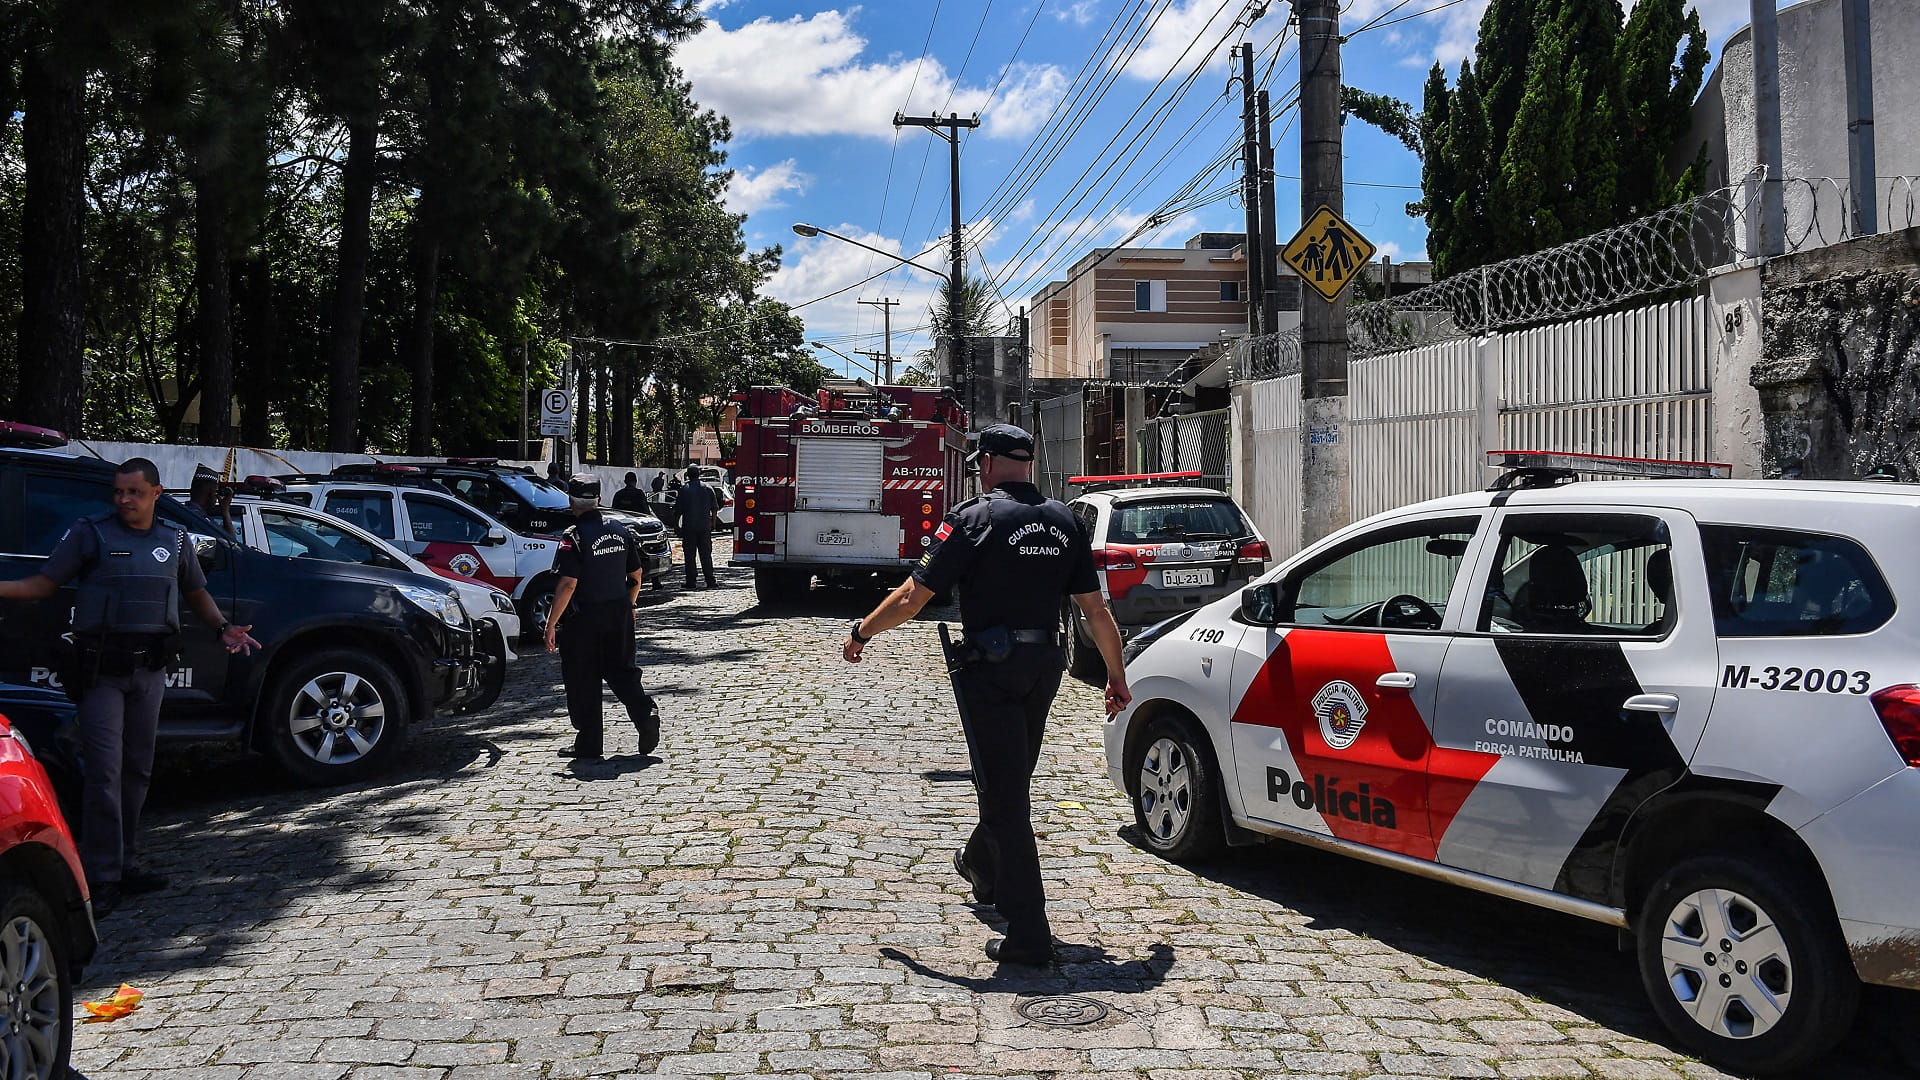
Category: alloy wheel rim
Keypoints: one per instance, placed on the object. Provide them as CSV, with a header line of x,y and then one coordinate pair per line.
x,y
1166,791
1727,963
30,1028
337,718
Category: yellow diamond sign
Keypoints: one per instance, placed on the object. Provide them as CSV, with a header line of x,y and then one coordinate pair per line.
x,y
1327,253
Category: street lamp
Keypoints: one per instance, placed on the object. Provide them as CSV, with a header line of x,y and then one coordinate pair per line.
x,y
801,228
844,356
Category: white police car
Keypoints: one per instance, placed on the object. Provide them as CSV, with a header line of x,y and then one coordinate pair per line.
x,y
1686,708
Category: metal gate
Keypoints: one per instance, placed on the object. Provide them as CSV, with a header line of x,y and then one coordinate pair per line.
x,y
837,474
1194,443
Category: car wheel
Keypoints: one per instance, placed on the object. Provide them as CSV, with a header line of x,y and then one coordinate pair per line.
x,y
1745,964
536,607
335,717
36,1030
1084,661
775,587
1175,790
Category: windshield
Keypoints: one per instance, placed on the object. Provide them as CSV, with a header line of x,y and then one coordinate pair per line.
x,y
541,494
1185,519
301,537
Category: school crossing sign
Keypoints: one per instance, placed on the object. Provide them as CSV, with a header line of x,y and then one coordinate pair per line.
x,y
1327,253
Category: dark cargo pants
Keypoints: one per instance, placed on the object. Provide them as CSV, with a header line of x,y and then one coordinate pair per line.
x,y
1005,707
596,646
119,721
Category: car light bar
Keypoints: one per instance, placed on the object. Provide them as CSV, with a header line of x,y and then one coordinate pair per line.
x,y
29,436
1605,465
1135,478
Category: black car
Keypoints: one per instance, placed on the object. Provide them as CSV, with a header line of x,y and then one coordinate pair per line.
x,y
351,656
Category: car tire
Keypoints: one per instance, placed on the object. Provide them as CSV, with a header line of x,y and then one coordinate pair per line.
x,y
1175,789
535,605
1084,661
35,962
331,698
1766,936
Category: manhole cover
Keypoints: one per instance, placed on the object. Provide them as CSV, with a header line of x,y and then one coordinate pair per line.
x,y
1063,1010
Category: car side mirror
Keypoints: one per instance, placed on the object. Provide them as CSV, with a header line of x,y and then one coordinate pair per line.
x,y
211,553
496,536
1260,604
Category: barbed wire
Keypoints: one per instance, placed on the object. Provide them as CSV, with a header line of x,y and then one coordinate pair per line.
x,y
1672,249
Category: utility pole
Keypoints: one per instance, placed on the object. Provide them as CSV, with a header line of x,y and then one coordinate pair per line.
x,y
1259,258
1856,34
876,359
952,123
886,307
1766,123
523,401
1269,222
1325,461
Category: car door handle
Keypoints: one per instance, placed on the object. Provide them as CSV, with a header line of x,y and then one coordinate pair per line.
x,y
1396,680
1664,704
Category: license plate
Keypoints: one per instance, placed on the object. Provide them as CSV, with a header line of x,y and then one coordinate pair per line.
x,y
834,539
1176,579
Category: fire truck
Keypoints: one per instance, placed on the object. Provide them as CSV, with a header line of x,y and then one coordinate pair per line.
x,y
849,482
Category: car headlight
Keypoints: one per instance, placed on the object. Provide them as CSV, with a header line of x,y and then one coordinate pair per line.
x,y
1152,634
501,602
445,605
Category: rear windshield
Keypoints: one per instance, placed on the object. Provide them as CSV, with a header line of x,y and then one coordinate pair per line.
x,y
1186,519
1781,583
539,492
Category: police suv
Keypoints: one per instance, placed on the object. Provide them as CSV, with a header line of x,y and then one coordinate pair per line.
x,y
1685,708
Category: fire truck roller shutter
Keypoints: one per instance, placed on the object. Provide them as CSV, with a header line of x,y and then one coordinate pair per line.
x,y
838,474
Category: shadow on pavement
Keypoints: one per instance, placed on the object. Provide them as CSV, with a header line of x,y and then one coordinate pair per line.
x,y
1078,967
611,767
1568,962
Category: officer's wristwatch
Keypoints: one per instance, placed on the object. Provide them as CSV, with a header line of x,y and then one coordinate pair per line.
x,y
854,632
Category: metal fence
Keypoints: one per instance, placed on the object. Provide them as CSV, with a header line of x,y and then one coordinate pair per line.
x,y
1634,383
1192,443
1060,436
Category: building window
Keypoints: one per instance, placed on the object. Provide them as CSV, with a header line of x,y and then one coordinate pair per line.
x,y
1149,296
1229,292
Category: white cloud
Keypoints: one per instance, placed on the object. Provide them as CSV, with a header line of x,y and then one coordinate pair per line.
x,y
1182,38
1080,13
814,267
804,76
1392,250
750,192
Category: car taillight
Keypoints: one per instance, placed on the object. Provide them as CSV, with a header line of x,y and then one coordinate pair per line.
x,y
1899,709
1112,558
1258,551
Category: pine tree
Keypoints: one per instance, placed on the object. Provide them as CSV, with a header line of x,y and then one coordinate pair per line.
x,y
1469,146
1657,94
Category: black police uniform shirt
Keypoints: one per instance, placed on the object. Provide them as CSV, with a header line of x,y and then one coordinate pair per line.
x,y
599,554
89,543
696,507
1018,553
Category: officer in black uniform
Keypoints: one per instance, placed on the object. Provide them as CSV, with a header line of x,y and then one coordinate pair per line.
x,y
134,571
698,508
592,623
1014,553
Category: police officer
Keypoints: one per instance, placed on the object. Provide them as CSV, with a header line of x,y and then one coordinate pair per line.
x,y
592,622
134,571
630,497
698,507
1014,553
210,502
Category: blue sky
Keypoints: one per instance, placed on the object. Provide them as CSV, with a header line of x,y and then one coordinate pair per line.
x,y
811,90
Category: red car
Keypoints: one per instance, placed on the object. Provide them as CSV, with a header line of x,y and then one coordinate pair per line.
x,y
46,921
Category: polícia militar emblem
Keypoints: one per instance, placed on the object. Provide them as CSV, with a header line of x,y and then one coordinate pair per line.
x,y
464,564
1342,712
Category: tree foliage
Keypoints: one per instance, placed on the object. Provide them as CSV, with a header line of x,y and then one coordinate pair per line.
x,y
1558,126
358,221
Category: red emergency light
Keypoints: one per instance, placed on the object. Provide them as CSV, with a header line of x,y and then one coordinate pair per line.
x,y
29,436
1135,478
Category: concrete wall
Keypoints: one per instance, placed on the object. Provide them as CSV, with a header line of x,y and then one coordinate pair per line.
x,y
1813,104
1837,382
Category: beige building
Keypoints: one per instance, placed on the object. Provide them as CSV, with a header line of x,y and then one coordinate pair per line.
x,y
1134,314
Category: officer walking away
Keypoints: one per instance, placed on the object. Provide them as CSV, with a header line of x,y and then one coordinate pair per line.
x,y
592,622
210,502
630,497
134,571
698,509
1014,553
659,482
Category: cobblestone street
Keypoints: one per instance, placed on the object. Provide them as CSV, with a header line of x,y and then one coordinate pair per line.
x,y
771,895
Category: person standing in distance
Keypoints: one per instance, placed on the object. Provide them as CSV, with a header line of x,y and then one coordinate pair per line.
x,y
698,508
630,497
211,502
592,623
134,572
1014,553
